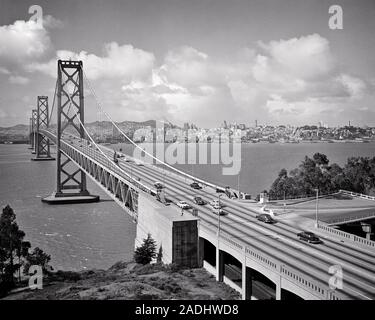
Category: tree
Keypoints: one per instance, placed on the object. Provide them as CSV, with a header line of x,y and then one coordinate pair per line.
x,y
37,257
159,257
146,252
320,159
357,175
22,252
11,238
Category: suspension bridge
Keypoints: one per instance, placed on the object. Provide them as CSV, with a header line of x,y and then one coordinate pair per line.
x,y
262,261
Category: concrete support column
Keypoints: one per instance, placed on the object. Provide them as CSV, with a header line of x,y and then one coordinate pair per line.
x,y
200,252
246,283
278,291
219,265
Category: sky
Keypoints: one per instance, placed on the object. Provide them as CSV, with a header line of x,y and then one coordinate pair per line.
x,y
197,61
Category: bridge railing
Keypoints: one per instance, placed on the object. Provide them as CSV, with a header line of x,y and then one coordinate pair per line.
x,y
359,195
346,236
351,218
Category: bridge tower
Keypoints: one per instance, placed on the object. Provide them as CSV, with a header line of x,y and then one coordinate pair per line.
x,y
31,134
71,182
42,148
34,121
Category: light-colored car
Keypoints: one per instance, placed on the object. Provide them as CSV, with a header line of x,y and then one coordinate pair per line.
x,y
219,211
183,205
216,204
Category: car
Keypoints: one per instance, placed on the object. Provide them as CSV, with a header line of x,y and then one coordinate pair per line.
x,y
220,211
309,237
195,185
216,204
264,217
158,185
198,200
183,205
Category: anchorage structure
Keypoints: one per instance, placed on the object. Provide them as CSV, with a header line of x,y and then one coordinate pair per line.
x,y
71,181
42,148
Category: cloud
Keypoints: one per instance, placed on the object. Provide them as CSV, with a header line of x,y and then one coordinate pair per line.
x,y
4,71
354,86
22,41
306,58
187,67
124,62
18,80
294,80
51,22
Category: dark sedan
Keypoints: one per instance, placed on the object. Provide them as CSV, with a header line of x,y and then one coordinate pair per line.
x,y
265,218
309,237
199,201
195,185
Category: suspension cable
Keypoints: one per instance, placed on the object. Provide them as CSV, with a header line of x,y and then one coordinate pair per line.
x,y
53,103
136,145
97,147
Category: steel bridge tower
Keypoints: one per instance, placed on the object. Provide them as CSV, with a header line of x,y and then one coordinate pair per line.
x,y
42,147
34,121
31,134
71,182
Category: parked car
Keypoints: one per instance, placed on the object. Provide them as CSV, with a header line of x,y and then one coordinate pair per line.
x,y
199,201
216,204
264,217
183,205
195,185
309,237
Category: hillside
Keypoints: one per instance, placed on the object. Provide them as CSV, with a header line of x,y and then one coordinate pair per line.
x,y
131,281
102,128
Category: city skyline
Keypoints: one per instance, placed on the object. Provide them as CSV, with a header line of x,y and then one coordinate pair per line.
x,y
198,61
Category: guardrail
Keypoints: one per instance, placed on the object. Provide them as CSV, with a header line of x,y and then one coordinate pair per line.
x,y
346,235
303,197
359,195
351,218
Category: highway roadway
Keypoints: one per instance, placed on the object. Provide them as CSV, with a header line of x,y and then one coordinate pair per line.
x,y
277,240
